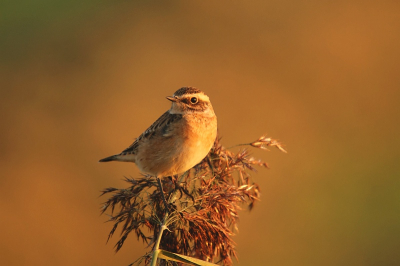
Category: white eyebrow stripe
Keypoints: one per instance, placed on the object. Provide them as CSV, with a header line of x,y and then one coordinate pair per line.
x,y
201,96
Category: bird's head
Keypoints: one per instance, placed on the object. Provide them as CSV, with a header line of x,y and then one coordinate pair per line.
x,y
190,99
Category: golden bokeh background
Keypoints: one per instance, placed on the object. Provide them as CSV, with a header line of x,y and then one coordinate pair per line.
x,y
79,80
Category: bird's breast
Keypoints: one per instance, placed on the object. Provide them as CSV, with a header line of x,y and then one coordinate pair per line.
x,y
200,134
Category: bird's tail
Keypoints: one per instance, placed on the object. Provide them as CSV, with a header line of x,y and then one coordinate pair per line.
x,y
109,158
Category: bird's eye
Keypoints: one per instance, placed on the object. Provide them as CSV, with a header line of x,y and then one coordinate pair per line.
x,y
193,100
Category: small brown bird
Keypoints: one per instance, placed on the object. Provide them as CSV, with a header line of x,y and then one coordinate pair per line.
x,y
176,141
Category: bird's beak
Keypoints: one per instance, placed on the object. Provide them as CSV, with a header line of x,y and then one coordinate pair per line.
x,y
171,98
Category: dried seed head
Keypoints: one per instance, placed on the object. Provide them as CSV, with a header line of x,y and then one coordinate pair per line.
x,y
204,205
263,142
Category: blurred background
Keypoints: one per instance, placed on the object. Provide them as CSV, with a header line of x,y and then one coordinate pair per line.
x,y
79,80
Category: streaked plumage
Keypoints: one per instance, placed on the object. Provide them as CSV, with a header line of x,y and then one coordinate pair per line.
x,y
176,141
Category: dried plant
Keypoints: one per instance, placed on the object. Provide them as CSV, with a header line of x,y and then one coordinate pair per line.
x,y
203,206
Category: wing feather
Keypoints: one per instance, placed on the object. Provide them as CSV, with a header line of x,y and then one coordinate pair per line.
x,y
162,125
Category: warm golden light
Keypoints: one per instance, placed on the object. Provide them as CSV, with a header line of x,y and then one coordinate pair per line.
x,y
79,80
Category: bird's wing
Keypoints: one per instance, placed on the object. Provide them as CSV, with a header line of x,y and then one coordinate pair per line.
x,y
160,127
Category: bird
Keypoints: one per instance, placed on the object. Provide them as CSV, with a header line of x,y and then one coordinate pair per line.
x,y
178,140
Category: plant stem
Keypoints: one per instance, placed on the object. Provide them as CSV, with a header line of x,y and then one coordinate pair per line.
x,y
157,245
162,194
237,145
164,222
